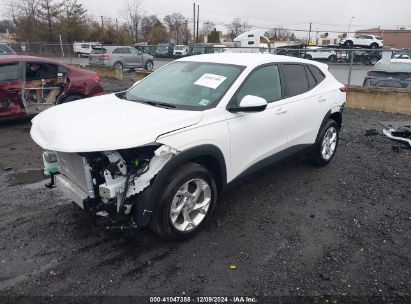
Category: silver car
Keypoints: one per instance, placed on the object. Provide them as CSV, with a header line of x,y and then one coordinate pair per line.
x,y
120,57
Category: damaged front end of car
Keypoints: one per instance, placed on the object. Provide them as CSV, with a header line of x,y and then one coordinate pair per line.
x,y
108,184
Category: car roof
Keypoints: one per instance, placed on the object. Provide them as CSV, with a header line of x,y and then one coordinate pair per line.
x,y
392,67
249,59
14,58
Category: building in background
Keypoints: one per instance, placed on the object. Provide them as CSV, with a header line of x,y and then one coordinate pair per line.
x,y
398,39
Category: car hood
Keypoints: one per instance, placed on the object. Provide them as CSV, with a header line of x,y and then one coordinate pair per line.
x,y
106,123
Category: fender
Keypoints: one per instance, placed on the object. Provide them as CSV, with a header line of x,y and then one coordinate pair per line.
x,y
335,109
146,202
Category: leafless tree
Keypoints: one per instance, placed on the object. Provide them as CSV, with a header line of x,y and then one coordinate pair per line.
x,y
49,11
177,26
237,27
134,14
208,26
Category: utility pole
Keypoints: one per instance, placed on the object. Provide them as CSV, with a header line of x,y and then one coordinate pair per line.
x,y
117,28
194,22
102,22
309,34
349,26
198,19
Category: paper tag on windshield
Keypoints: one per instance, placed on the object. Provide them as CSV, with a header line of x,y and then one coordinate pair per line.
x,y
210,81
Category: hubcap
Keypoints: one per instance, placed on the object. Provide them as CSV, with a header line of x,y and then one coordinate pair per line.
x,y
329,143
190,205
118,66
149,66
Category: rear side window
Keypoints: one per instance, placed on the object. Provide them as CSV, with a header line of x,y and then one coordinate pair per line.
x,y
99,51
9,72
264,82
4,50
311,80
318,75
296,79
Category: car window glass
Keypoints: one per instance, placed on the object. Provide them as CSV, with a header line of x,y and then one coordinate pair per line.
x,y
318,75
5,50
9,72
117,51
126,51
40,70
62,70
264,82
311,80
296,79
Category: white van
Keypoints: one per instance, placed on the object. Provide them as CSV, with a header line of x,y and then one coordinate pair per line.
x,y
84,48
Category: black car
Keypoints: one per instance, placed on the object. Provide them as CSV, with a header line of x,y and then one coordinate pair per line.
x,y
389,75
164,50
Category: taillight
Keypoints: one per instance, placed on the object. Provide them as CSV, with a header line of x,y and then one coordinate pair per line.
x,y
96,79
105,56
344,89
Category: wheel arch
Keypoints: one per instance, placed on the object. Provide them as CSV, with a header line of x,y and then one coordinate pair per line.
x,y
209,156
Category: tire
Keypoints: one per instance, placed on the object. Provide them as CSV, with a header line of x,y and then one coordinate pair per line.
x,y
348,44
374,46
322,153
118,66
171,225
72,97
332,58
149,65
374,60
308,57
79,55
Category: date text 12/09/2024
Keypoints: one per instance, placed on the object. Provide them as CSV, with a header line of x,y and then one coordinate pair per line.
x,y
201,299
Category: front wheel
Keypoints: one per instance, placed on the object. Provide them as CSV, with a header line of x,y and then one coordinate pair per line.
x,y
326,144
118,66
332,58
186,203
374,46
149,65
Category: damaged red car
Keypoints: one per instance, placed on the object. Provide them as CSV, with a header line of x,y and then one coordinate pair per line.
x,y
29,85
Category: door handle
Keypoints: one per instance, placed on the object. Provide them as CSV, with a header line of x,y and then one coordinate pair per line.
x,y
322,99
281,111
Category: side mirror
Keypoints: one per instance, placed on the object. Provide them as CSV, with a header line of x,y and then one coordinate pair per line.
x,y
249,103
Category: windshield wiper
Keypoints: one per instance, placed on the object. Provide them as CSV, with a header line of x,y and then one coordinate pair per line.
x,y
159,104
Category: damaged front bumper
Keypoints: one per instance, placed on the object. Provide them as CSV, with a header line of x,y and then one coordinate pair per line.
x,y
108,184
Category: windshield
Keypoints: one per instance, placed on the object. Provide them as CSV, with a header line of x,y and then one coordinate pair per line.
x,y
4,50
179,48
186,85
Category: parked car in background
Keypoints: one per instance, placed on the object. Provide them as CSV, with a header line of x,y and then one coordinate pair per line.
x,y
165,50
390,74
181,50
363,40
120,57
402,54
160,154
320,53
199,49
29,85
81,49
219,48
6,50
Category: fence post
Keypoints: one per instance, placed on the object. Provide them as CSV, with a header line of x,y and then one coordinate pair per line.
x,y
351,63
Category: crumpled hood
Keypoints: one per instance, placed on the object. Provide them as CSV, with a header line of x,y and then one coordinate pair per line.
x,y
105,123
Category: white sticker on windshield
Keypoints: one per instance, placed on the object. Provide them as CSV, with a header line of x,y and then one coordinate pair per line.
x,y
210,81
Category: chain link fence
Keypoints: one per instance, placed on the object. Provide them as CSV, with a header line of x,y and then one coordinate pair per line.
x,y
379,67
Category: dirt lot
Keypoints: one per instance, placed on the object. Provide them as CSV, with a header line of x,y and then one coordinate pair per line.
x,y
291,230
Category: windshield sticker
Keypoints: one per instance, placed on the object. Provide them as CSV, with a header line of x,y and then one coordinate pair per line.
x,y
204,102
210,81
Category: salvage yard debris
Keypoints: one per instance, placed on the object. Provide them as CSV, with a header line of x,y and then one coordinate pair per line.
x,y
398,130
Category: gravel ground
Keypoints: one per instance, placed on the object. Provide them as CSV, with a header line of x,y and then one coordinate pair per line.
x,y
290,230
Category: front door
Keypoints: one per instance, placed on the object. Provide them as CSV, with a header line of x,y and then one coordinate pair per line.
x,y
257,136
10,91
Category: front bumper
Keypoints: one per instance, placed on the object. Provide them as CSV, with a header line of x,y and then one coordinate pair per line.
x,y
70,190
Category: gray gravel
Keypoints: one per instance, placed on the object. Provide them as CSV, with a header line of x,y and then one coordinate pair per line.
x,y
290,230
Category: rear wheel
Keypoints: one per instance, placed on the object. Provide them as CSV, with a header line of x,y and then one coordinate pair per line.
x,y
332,58
326,144
79,55
118,66
186,203
374,45
308,57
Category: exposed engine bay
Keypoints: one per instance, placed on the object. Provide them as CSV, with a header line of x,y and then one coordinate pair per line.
x,y
106,184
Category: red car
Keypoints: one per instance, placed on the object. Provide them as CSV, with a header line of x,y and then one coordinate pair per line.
x,y
29,85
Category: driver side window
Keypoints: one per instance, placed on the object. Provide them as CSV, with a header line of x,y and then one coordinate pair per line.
x,y
264,82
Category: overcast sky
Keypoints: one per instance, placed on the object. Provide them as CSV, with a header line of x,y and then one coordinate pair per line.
x,y
326,15
297,14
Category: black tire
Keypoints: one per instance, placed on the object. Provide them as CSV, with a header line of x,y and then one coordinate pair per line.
x,y
149,65
72,97
332,58
374,45
348,44
161,223
118,66
374,60
316,156
79,55
308,57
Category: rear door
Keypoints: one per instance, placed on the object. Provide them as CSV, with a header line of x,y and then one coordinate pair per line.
x,y
10,91
137,57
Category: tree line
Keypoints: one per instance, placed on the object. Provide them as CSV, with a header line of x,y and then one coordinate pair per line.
x,y
47,20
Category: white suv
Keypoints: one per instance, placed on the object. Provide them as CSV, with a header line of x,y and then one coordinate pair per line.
x,y
364,40
160,153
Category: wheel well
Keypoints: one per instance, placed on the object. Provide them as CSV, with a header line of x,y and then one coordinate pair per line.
x,y
213,165
337,117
